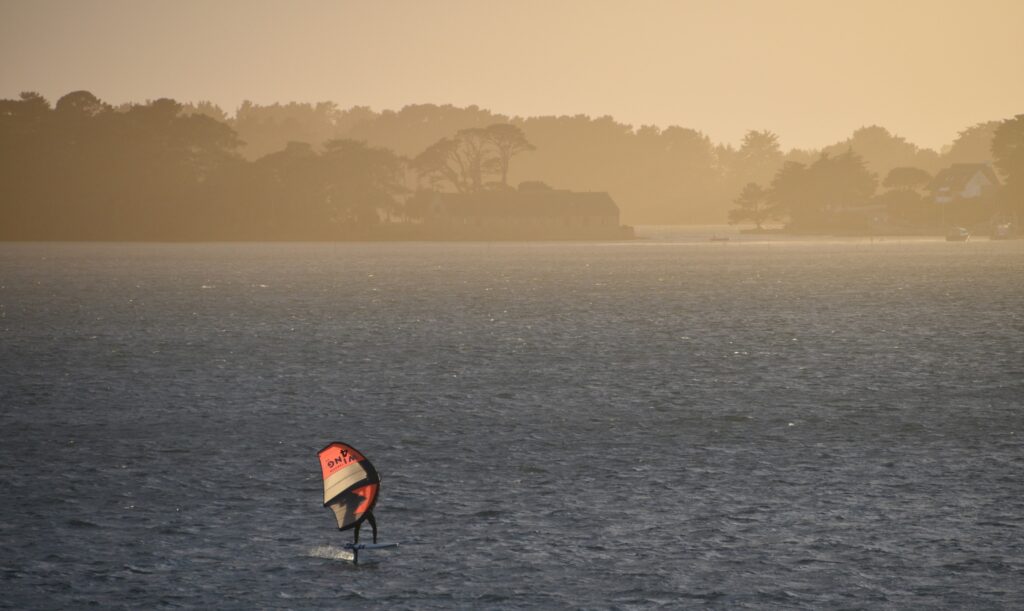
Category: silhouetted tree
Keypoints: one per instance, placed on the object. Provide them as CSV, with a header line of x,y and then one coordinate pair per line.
x,y
463,162
752,205
361,182
81,104
686,170
758,157
508,140
882,151
84,170
667,176
293,200
906,178
26,183
908,207
479,161
972,145
844,180
268,129
903,202
1008,152
793,193
30,106
813,196
441,163
804,156
208,109
412,129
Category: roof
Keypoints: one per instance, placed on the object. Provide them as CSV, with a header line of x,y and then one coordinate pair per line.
x,y
955,177
528,202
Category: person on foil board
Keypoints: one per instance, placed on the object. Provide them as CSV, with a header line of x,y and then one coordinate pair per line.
x,y
351,488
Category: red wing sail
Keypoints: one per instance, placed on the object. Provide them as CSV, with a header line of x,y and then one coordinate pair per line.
x,y
351,484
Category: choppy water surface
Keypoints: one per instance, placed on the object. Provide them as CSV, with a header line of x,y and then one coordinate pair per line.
x,y
667,422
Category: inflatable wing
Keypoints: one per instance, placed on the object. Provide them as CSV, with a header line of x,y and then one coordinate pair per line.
x,y
351,483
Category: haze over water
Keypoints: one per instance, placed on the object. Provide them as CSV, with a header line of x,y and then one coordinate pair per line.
x,y
666,422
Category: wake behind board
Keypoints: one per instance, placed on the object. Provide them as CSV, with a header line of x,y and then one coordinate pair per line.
x,y
330,552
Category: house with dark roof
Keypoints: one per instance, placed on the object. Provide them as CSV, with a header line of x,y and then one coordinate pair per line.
x,y
963,181
534,211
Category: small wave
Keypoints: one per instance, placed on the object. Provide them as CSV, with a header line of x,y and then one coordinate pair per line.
x,y
76,523
330,553
488,513
527,468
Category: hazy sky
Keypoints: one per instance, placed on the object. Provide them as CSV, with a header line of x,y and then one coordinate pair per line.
x,y
812,71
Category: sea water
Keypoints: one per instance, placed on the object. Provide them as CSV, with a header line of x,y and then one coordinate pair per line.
x,y
673,422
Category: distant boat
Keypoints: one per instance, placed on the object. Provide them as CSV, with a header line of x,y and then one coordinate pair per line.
x,y
957,234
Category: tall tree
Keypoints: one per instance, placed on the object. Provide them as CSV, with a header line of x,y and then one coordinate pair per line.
x,y
267,129
792,194
844,180
904,201
360,182
906,178
1008,152
882,150
441,164
26,146
751,205
972,145
474,147
415,127
463,162
813,195
208,108
758,157
81,104
508,140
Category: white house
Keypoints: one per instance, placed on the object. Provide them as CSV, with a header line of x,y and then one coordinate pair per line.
x,y
963,181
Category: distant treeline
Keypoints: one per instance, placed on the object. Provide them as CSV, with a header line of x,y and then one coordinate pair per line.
x,y
82,169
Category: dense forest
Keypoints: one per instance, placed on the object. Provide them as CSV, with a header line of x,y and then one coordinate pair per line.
x,y
83,169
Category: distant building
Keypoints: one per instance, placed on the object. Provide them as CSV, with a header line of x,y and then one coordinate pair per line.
x,y
963,181
533,211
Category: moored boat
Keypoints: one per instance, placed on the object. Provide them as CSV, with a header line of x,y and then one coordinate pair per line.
x,y
957,234
1003,231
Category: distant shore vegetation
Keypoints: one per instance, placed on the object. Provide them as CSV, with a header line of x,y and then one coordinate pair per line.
x,y
82,169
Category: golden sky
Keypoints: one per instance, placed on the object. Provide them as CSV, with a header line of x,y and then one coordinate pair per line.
x,y
810,70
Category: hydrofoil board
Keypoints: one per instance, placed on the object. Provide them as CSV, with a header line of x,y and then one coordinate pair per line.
x,y
359,546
